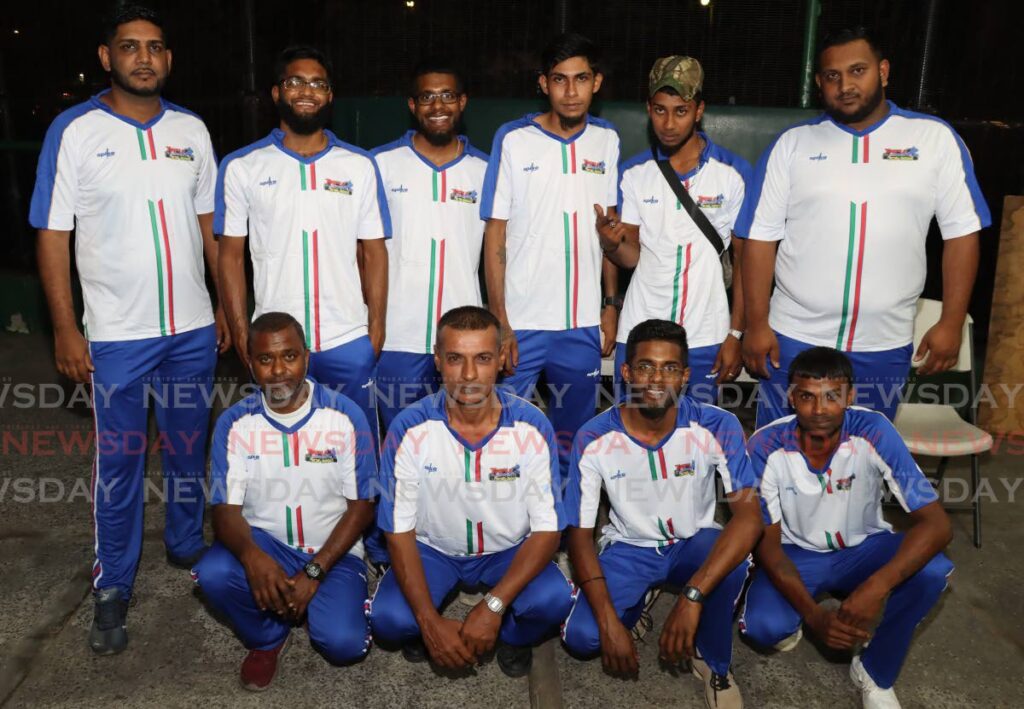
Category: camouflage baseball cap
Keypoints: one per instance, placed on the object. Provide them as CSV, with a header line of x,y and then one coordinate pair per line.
x,y
684,74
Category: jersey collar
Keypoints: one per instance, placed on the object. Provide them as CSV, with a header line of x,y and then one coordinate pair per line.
x,y
705,155
95,100
791,442
277,136
407,141
314,404
531,119
893,110
504,421
683,411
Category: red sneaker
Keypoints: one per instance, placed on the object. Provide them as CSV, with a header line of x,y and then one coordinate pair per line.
x,y
260,667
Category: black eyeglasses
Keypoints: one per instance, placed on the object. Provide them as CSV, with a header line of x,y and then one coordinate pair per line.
x,y
427,97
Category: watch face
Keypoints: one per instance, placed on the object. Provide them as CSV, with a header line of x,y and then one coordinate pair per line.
x,y
313,570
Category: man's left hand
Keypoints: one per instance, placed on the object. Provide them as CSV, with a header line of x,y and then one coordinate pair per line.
x,y
728,361
862,607
609,329
480,629
302,593
677,637
941,345
220,324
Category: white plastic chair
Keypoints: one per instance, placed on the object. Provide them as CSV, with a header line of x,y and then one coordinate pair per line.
x,y
937,430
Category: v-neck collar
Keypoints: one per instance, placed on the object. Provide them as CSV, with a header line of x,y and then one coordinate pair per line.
x,y
503,420
408,141
102,105
619,423
893,110
277,135
313,406
844,436
705,155
531,118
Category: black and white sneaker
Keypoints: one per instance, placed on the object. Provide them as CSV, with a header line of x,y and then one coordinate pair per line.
x,y
720,691
514,660
645,623
109,632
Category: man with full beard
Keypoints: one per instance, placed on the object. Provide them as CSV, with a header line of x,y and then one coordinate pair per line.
x,y
432,178
678,273
657,460
134,176
542,259
847,198
307,199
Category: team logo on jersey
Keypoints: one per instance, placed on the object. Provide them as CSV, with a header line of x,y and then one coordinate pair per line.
x,y
530,168
596,168
705,202
819,157
269,182
501,474
464,196
329,455
401,189
683,470
651,200
845,483
338,187
910,153
108,153
172,153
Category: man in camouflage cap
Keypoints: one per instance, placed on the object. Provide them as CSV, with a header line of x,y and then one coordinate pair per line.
x,y
679,277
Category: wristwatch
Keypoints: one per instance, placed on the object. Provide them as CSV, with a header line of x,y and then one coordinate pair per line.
x,y
738,334
314,571
692,593
613,300
495,604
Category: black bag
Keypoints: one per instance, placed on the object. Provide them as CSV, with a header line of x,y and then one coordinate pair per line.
x,y
697,215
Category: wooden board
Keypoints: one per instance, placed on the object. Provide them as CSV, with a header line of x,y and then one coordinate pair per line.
x,y
1002,404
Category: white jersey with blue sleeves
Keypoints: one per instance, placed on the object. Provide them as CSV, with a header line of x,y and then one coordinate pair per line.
x,y
851,210
546,187
840,505
662,493
131,192
434,254
679,275
304,217
294,482
464,499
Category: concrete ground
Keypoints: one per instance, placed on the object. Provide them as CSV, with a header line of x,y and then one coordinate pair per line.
x,y
969,652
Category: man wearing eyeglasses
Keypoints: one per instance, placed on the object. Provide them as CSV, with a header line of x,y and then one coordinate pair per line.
x,y
433,179
657,456
308,202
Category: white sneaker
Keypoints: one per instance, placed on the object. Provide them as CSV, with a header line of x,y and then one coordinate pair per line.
x,y
562,562
720,691
788,643
874,697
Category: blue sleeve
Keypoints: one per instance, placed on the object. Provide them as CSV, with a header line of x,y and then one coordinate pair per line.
x,y
757,453
573,497
904,476
219,459
729,435
365,453
753,183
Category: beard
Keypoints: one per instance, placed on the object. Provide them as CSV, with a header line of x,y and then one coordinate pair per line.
x,y
304,125
438,140
858,115
123,82
570,122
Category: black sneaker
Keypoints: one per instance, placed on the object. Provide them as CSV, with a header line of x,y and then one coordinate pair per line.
x,y
415,651
187,562
514,660
109,635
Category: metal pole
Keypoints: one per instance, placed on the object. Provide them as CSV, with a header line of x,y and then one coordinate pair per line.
x,y
924,97
563,16
250,99
810,37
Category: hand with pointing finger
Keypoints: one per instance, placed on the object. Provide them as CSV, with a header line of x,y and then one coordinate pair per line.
x,y
609,229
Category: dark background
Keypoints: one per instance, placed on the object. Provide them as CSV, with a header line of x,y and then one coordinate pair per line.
x,y
750,49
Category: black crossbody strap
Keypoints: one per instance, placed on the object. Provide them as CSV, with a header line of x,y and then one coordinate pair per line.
x,y
695,212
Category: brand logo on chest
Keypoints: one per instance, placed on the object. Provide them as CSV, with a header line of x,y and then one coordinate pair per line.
x,y
108,153
172,153
464,196
329,455
904,154
706,202
338,186
593,167
504,474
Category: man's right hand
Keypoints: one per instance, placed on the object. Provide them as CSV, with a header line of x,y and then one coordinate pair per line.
x,y
444,643
268,582
511,349
760,343
240,336
618,651
71,352
825,624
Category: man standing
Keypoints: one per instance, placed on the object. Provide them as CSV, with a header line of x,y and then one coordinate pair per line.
x,y
306,199
542,257
468,501
821,474
293,470
657,461
133,175
848,197
433,179
678,273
